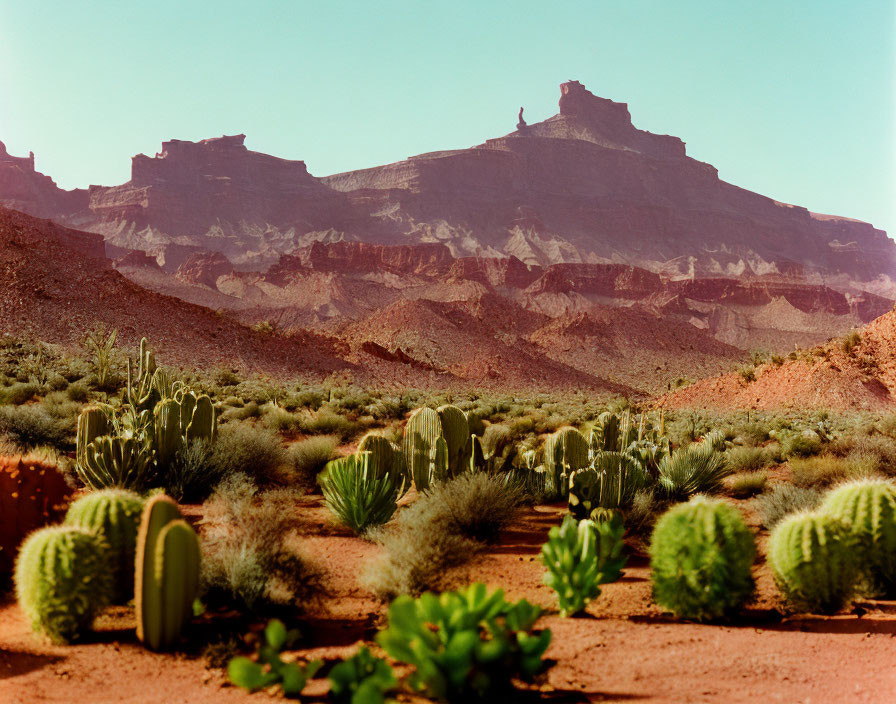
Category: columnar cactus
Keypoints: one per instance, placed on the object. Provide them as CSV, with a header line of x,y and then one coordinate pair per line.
x,y
385,460
168,439
203,423
813,557
141,392
62,580
456,431
118,462
32,494
610,482
423,430
700,557
564,452
868,508
92,423
166,574
477,454
114,515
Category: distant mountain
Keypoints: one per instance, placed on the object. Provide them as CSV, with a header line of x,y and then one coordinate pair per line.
x,y
582,186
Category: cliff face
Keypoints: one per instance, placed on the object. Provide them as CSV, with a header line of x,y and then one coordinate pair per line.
x,y
24,188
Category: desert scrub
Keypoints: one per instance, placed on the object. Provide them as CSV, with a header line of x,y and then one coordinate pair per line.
x,y
18,393
247,562
579,557
245,448
868,509
477,506
784,499
327,422
62,580
803,444
824,470
814,561
746,484
114,515
306,458
747,459
466,645
30,426
700,558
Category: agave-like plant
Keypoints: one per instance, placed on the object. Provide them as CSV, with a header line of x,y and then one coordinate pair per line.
x,y
356,496
695,469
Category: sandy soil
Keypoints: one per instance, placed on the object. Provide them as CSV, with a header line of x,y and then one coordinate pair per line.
x,y
625,649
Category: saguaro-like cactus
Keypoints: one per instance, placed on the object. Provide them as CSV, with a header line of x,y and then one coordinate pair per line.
x,y
141,392
62,580
814,560
456,431
564,452
114,515
92,423
166,574
868,508
421,434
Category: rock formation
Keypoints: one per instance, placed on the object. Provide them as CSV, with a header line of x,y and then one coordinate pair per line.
x,y
24,188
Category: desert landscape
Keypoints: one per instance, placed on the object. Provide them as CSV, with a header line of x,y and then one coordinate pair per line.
x,y
562,416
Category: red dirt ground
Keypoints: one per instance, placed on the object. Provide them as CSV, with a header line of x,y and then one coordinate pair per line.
x,y
626,649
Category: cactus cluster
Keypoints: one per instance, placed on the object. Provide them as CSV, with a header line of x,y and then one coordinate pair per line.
x,y
166,579
701,553
32,494
62,580
437,445
114,515
609,483
814,560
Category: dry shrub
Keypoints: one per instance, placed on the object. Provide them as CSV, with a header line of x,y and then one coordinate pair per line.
x,y
748,459
306,458
746,484
784,499
442,529
825,470
247,564
246,448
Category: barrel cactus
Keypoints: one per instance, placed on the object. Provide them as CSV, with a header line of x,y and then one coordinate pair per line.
x,y
700,557
166,579
62,580
113,514
814,560
868,508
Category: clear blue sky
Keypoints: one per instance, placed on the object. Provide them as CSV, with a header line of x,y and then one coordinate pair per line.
x,y
791,99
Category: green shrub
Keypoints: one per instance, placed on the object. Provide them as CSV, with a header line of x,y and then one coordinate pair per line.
x,y
326,422
77,392
747,484
465,645
784,499
813,557
308,457
192,475
114,515
868,509
579,557
30,426
823,471
804,444
242,447
700,558
356,495
696,468
268,668
362,679
62,580
18,393
747,459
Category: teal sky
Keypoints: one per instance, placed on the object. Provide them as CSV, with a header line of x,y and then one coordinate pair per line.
x,y
794,100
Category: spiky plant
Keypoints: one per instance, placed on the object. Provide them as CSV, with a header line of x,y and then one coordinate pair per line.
x,y
565,451
114,515
579,557
700,558
813,557
868,508
62,580
695,469
610,482
356,496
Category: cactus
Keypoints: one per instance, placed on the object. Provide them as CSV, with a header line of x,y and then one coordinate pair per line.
x,y
116,462
477,454
456,431
62,580
700,558
32,495
141,390
610,482
92,423
580,556
608,427
385,460
423,429
168,439
564,452
114,515
203,423
814,560
868,508
166,578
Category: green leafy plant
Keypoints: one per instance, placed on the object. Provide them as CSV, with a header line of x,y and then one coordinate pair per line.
x,y
697,468
356,495
700,558
814,560
868,508
62,580
362,679
269,668
465,645
580,556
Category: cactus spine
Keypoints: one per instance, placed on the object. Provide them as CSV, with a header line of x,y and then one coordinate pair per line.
x,y
813,558
114,515
166,578
868,508
62,580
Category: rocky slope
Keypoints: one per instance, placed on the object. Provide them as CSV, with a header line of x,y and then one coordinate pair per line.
x,y
845,374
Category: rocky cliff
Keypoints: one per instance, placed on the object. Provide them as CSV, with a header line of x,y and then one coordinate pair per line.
x,y
24,188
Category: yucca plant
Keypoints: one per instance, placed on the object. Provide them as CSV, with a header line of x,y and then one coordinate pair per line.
x,y
356,496
698,468
579,557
